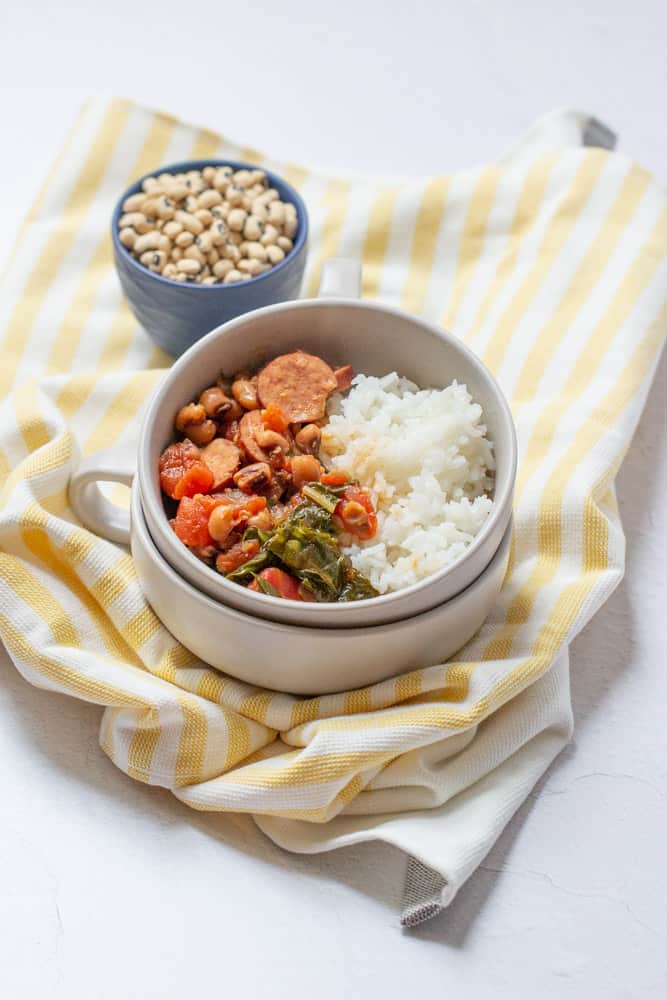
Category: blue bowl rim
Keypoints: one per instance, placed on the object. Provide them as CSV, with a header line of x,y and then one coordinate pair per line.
x,y
183,167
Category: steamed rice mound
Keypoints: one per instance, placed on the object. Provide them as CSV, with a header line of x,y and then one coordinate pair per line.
x,y
425,457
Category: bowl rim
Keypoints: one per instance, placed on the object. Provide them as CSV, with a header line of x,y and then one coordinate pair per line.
x,y
140,524
152,501
182,167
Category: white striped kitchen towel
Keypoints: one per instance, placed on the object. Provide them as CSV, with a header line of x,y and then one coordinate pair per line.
x,y
552,265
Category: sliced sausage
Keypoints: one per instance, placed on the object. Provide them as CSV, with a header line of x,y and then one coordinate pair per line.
x,y
223,458
249,426
344,377
299,384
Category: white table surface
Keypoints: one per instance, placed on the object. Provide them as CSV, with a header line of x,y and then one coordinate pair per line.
x,y
110,889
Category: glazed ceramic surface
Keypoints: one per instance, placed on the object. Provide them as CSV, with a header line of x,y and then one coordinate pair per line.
x,y
306,660
176,314
375,340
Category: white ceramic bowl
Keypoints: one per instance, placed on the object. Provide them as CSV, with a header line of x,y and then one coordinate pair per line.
x,y
308,660
375,340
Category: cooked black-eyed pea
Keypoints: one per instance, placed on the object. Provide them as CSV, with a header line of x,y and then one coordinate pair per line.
x,y
244,391
253,478
148,241
308,439
184,239
215,402
188,415
274,254
127,237
201,434
188,266
134,202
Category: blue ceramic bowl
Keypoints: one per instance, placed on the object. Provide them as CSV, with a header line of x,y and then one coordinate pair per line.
x,y
176,314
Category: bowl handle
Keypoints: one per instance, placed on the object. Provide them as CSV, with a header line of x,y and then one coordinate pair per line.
x,y
341,279
90,505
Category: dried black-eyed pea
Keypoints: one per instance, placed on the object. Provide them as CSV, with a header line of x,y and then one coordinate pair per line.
x,y
209,280
190,203
165,208
222,178
255,251
219,233
259,210
132,219
291,223
222,268
243,178
176,254
184,239
177,192
172,229
208,173
134,202
236,219
187,266
274,254
165,244
204,242
204,216
148,241
212,257
253,228
270,235
194,253
154,260
127,237
277,213
170,270
234,195
233,276
251,267
150,206
151,184
189,222
209,198
230,252
284,243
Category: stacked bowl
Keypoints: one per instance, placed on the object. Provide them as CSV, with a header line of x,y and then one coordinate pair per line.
x,y
294,646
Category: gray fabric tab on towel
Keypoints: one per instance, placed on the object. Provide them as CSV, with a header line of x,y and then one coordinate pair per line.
x,y
422,893
597,134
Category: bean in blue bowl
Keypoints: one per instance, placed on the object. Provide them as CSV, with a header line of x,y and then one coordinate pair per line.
x,y
200,242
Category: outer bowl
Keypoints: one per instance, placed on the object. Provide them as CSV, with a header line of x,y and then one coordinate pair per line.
x,y
305,660
375,340
176,314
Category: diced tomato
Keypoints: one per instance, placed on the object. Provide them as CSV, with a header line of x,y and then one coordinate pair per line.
x,y
285,584
335,478
274,419
356,513
228,561
182,471
191,521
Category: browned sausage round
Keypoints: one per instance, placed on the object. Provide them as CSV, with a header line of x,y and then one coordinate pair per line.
x,y
344,377
250,425
223,459
299,384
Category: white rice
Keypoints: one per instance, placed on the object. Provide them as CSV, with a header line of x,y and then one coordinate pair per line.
x,y
425,457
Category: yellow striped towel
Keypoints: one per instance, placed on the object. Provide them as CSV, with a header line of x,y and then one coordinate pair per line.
x,y
552,265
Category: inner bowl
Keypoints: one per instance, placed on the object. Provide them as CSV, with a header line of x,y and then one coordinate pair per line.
x,y
375,340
